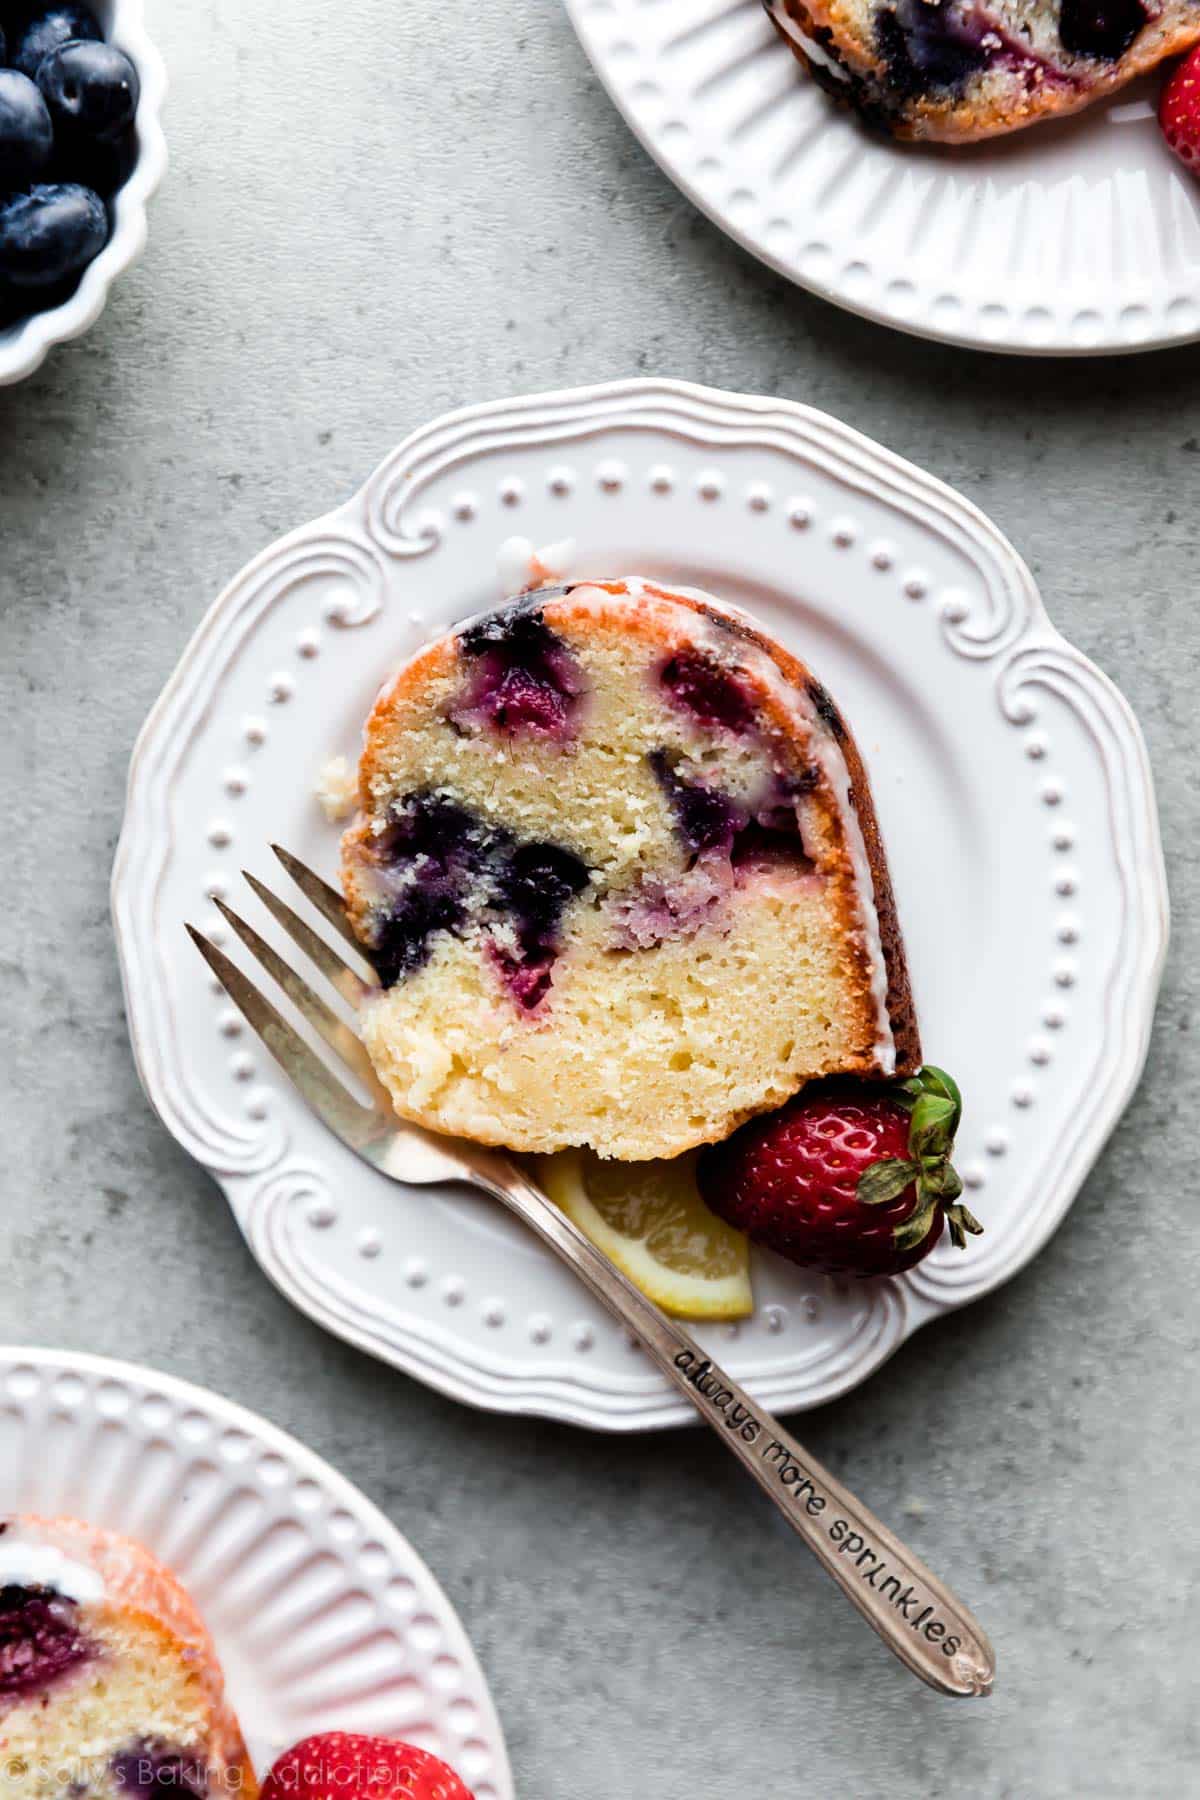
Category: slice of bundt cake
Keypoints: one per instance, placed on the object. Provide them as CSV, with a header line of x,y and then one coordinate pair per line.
x,y
109,1683
618,868
957,70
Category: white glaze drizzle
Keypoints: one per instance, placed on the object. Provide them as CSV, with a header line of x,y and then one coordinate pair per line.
x,y
23,1564
521,567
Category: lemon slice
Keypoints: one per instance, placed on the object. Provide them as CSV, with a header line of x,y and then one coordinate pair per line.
x,y
649,1219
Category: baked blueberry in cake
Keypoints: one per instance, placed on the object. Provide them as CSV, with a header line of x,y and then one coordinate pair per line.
x,y
109,1683
956,70
617,865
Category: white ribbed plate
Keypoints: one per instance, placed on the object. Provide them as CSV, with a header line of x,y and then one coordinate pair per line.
x,y
1071,239
1009,776
324,1617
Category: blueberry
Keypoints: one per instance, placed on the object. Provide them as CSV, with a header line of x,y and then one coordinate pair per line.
x,y
1103,28
154,1768
91,90
40,1639
402,942
104,167
49,233
927,47
440,865
518,629
826,711
26,133
430,851
533,886
48,28
526,680
704,818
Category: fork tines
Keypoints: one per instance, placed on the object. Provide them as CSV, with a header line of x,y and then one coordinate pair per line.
x,y
327,1095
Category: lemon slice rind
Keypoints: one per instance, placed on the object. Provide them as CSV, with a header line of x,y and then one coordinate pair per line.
x,y
685,1293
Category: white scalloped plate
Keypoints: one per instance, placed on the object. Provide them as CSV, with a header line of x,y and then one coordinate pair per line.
x,y
1011,783
1075,238
324,1617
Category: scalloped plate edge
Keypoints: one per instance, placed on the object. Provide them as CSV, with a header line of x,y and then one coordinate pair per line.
x,y
645,1406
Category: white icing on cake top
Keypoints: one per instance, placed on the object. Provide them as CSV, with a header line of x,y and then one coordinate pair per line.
x,y
521,567
23,1564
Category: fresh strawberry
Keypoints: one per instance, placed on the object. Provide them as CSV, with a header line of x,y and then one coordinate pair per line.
x,y
1179,110
348,1765
849,1177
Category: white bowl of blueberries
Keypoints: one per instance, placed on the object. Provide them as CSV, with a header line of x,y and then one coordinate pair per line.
x,y
81,151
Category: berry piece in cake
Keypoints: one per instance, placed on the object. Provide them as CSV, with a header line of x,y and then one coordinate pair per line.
x,y
713,695
927,47
534,884
50,233
91,91
423,863
156,1768
763,829
47,29
667,917
26,131
848,1178
772,836
350,1765
1179,111
1100,28
438,867
40,1639
523,679
706,819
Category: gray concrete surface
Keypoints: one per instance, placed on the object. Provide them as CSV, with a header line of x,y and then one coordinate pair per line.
x,y
367,221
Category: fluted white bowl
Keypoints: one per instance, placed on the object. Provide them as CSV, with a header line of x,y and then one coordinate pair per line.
x,y
23,346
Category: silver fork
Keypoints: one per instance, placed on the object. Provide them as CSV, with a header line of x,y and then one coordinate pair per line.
x,y
913,1612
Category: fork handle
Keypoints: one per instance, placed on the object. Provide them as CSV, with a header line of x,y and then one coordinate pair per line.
x,y
917,1617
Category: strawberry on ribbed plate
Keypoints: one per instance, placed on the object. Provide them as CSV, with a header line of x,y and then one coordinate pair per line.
x,y
1179,111
851,1177
350,1765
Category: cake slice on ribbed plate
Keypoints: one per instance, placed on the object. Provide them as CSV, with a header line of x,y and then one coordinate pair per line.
x,y
109,1683
958,70
618,868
